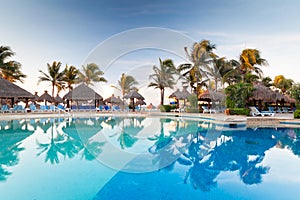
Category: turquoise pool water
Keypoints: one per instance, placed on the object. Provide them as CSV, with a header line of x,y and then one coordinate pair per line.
x,y
146,158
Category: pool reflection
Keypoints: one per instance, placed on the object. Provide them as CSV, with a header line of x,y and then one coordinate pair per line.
x,y
198,151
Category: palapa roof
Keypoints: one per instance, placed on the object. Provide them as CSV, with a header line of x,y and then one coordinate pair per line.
x,y
58,99
134,94
265,94
46,97
177,94
210,95
185,93
112,99
11,90
83,92
140,102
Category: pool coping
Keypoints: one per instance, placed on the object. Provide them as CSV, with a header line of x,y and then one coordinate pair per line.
x,y
219,119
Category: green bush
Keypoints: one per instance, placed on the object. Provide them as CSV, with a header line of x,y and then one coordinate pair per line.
x,y
239,111
297,114
191,110
166,108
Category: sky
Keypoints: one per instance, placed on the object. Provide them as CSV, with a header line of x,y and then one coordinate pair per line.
x,y
130,36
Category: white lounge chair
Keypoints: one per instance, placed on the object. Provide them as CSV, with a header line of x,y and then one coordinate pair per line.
x,y
255,112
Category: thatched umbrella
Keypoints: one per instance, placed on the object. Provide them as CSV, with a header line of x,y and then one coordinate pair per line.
x,y
133,95
185,93
113,100
46,97
140,102
82,93
263,93
178,95
11,91
210,96
58,99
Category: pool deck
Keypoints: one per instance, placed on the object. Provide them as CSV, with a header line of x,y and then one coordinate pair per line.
x,y
279,120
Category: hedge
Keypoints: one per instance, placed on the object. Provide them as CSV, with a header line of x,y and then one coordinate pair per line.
x,y
167,108
297,114
239,111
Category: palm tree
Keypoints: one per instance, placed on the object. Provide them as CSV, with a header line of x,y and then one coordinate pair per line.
x,y
70,76
267,81
91,73
249,58
54,76
126,84
283,83
10,70
200,56
163,77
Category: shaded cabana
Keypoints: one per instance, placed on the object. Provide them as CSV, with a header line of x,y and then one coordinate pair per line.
x,y
133,95
46,98
178,95
265,94
13,92
212,97
83,93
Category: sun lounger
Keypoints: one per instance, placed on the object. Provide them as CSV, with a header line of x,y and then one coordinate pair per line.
x,y
255,112
18,108
115,108
5,109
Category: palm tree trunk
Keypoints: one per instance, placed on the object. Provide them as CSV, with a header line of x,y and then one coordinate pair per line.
x,y
162,93
53,89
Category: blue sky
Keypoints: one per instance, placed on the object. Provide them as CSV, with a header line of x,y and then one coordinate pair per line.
x,y
69,31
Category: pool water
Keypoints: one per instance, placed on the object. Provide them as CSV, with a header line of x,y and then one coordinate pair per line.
x,y
146,158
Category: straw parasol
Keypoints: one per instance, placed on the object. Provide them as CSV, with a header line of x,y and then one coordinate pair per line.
x,y
261,92
210,95
185,93
46,97
58,99
133,95
113,100
177,94
140,102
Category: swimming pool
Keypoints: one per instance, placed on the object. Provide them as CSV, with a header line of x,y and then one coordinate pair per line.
x,y
146,158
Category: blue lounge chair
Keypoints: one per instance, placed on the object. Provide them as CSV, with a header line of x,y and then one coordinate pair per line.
x,y
107,108
44,108
33,108
18,108
115,108
5,108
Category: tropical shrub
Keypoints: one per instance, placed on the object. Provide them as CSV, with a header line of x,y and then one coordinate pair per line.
x,y
237,94
297,114
166,108
191,110
239,111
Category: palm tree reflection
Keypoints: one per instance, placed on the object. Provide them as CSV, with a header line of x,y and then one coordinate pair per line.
x,y
12,133
73,138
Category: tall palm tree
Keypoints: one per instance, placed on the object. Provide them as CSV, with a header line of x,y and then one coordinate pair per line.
x,y
10,70
126,83
163,77
249,59
283,83
200,56
55,76
70,76
91,73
